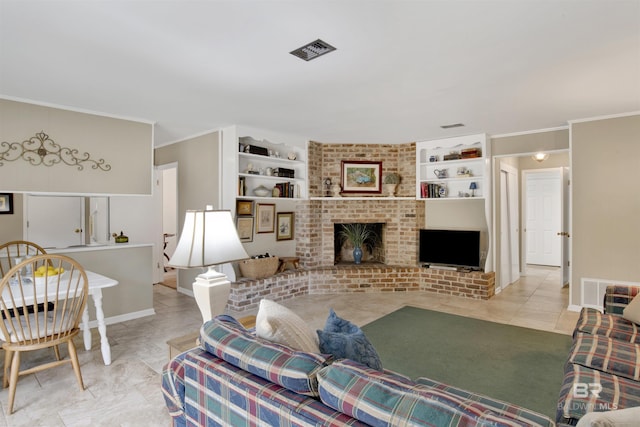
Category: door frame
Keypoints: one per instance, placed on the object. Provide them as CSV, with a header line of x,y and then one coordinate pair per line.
x,y
495,173
504,167
160,177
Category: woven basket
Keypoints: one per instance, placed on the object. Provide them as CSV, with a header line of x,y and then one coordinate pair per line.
x,y
259,268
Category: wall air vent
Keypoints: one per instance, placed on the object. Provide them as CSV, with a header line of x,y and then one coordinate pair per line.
x,y
313,50
451,126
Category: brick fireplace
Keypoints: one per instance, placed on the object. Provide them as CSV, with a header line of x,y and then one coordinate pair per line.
x,y
402,216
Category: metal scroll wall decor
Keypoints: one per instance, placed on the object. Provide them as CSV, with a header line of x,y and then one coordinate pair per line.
x,y
42,150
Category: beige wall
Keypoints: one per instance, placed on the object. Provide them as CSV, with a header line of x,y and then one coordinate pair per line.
x,y
198,180
605,202
133,296
11,224
551,140
124,144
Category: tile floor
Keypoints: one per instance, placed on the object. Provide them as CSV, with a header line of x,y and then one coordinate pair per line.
x,y
127,393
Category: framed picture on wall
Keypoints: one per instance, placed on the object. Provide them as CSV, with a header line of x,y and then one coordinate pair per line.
x,y
6,203
265,217
361,176
244,225
244,207
284,224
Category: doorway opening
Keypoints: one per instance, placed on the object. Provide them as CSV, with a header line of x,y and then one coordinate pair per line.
x,y
168,183
513,207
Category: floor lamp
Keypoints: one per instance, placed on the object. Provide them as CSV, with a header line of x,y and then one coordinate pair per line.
x,y
208,238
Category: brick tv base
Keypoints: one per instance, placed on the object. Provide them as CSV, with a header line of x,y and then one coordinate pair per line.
x,y
247,293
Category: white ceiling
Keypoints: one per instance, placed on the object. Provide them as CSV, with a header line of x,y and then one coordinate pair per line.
x,y
401,68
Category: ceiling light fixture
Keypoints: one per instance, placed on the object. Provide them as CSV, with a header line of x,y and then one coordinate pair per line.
x,y
540,157
313,50
451,126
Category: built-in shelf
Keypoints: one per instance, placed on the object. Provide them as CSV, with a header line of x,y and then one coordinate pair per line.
x,y
275,167
440,175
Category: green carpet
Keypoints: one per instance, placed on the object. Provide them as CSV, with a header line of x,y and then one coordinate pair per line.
x,y
518,365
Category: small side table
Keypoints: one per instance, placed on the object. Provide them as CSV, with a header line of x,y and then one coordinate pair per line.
x,y
186,342
284,260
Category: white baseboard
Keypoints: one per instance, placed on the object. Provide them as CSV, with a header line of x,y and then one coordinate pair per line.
x,y
573,307
184,291
122,318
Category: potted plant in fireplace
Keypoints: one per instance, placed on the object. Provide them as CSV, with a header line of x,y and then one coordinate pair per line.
x,y
358,235
390,183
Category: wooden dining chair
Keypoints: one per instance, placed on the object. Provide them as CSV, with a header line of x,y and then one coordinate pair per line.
x,y
9,251
41,309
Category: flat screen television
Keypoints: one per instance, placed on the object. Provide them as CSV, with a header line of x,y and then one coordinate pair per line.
x,y
451,248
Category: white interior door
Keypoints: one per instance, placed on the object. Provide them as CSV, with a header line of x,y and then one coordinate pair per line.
x,y
509,230
54,221
544,217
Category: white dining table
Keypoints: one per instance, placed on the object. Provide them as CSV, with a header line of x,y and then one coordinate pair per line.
x,y
97,282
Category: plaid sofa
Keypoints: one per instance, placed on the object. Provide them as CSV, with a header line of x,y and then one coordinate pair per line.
x,y
237,379
603,368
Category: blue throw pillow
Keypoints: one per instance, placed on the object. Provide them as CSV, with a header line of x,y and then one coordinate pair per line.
x,y
344,340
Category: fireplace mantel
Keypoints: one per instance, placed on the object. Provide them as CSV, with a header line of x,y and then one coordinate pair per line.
x,y
387,198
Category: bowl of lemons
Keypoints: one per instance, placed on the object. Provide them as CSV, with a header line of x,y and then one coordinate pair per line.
x,y
45,272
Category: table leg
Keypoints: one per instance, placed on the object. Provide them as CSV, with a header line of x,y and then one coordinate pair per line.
x,y
102,328
86,332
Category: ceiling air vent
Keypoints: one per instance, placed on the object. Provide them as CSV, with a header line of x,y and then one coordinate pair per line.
x,y
313,50
451,126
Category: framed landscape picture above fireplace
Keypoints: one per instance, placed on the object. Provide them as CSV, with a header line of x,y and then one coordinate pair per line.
x,y
361,176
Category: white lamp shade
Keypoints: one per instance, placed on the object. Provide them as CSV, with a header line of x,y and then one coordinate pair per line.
x,y
208,238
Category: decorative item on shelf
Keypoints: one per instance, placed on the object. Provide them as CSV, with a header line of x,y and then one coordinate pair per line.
x,y
470,153
261,191
473,187
268,171
358,235
120,238
42,150
454,155
433,158
261,151
336,190
242,186
442,191
208,238
441,173
327,187
463,171
292,156
284,172
390,183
